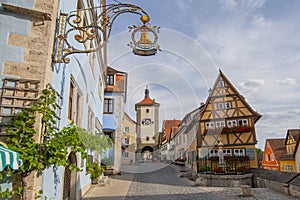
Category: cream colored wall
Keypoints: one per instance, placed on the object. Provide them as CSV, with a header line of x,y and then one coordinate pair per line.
x,y
297,160
132,140
148,130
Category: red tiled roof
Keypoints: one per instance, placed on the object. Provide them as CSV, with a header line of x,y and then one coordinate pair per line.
x,y
169,125
147,101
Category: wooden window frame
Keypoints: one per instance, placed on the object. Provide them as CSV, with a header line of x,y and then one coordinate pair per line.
x,y
108,106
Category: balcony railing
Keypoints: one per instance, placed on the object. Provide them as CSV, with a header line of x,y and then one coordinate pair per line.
x,y
229,165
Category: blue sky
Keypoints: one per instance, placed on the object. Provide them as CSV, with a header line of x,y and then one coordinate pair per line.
x,y
256,43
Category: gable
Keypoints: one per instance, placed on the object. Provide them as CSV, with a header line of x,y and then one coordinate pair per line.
x,y
225,101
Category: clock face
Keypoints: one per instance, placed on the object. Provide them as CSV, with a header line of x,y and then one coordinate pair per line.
x,y
147,121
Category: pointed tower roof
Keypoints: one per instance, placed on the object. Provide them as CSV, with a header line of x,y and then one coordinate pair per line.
x,y
147,101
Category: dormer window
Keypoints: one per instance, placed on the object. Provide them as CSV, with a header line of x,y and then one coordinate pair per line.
x,y
110,79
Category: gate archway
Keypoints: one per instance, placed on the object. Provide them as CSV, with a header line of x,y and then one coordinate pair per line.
x,y
147,153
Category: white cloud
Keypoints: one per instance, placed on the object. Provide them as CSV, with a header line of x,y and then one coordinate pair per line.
x,y
251,85
260,21
287,81
228,4
254,3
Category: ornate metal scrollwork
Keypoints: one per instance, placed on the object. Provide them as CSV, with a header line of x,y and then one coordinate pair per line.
x,y
79,34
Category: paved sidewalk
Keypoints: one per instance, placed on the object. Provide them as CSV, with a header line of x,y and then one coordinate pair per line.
x,y
116,189
165,184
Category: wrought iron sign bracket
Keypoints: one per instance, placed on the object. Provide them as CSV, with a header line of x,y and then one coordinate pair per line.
x,y
76,33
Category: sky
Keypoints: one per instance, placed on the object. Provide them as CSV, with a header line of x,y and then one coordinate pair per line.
x,y
256,43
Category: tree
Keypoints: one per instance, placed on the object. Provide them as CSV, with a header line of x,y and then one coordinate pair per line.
x,y
259,151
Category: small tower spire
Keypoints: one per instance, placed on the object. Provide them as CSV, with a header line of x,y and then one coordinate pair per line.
x,y
146,92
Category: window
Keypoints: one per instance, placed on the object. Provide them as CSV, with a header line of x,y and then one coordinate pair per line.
x,y
126,154
220,105
75,103
110,79
108,105
227,152
126,141
243,122
90,120
221,84
272,157
220,124
127,129
209,125
147,138
147,110
231,123
227,105
289,168
267,157
239,152
213,153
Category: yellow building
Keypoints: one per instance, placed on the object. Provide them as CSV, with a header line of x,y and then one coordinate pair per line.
x,y
128,140
286,158
226,127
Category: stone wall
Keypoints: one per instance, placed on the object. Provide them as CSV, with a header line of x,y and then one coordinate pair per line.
x,y
212,180
285,182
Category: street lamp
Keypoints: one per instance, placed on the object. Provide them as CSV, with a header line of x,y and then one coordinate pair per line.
x,y
77,34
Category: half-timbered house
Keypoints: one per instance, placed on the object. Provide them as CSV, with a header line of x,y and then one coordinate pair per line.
x,y
226,137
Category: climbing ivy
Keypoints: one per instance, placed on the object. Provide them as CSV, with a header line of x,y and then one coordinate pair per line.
x,y
50,147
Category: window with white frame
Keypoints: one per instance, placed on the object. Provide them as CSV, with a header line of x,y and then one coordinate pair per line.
x,y
126,154
266,157
272,157
209,125
228,105
220,124
221,84
213,153
220,105
239,152
243,122
231,123
289,168
126,141
227,152
127,129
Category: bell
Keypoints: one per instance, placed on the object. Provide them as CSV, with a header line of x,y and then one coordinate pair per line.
x,y
144,40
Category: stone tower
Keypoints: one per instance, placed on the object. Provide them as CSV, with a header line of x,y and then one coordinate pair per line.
x,y
147,127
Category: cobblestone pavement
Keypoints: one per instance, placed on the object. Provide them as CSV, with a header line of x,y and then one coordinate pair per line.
x,y
165,184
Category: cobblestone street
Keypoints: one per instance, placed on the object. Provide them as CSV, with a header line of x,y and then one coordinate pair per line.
x,y
165,184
